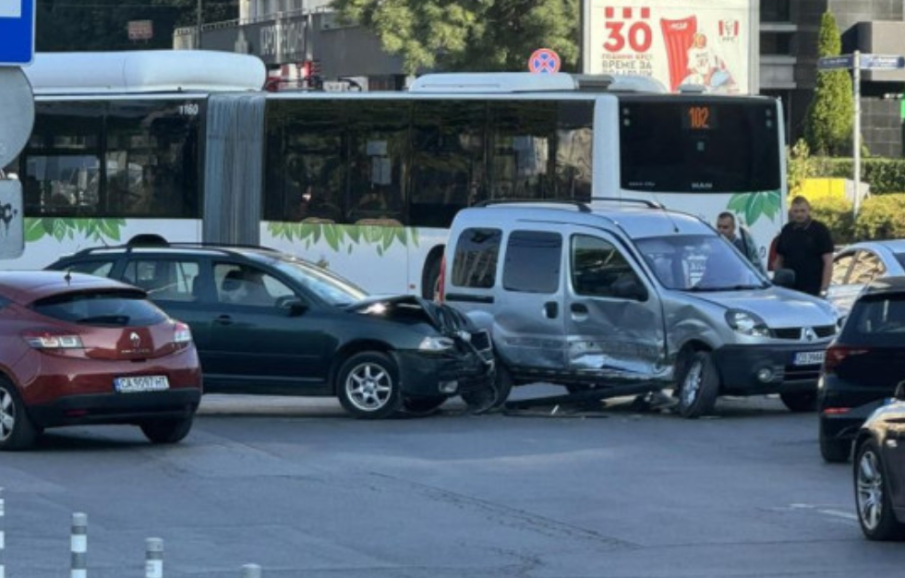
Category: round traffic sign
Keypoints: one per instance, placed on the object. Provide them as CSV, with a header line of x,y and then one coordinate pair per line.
x,y
544,61
18,105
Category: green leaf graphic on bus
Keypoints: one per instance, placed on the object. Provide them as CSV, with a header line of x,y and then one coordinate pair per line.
x,y
752,206
65,228
339,237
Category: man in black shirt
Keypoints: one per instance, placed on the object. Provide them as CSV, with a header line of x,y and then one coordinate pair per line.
x,y
806,247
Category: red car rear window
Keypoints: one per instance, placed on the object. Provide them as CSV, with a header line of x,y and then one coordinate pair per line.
x,y
117,308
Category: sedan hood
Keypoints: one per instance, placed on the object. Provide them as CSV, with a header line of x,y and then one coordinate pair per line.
x,y
778,307
443,318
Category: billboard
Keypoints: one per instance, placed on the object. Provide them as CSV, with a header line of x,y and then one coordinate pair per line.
x,y
712,43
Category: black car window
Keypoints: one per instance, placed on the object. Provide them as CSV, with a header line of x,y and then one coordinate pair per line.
x,y
533,262
101,268
243,285
327,286
118,308
600,270
476,256
165,279
876,320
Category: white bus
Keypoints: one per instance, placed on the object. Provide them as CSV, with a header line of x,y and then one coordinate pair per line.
x,y
366,184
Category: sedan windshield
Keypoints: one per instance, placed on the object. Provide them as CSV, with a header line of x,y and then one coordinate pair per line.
x,y
327,286
699,263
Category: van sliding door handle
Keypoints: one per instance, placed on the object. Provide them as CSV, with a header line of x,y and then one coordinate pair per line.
x,y
551,309
580,308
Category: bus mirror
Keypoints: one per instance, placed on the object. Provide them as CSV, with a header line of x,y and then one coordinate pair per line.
x,y
12,226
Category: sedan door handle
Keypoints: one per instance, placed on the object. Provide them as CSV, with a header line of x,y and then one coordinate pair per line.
x,y
580,308
224,320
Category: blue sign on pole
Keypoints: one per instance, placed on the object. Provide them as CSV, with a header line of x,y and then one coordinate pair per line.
x,y
845,61
882,62
17,32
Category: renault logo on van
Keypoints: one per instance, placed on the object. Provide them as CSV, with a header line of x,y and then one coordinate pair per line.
x,y
809,334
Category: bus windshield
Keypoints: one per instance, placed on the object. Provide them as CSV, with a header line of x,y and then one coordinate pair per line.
x,y
700,146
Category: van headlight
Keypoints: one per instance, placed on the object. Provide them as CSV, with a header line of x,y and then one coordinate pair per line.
x,y
436,344
747,323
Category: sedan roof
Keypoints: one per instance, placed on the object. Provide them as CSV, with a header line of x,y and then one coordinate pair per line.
x,y
28,286
886,285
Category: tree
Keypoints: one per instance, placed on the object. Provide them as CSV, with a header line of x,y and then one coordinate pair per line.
x,y
828,125
476,35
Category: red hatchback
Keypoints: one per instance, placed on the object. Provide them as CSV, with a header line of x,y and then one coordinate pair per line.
x,y
78,349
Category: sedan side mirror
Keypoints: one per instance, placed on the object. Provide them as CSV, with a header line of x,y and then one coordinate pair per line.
x,y
293,306
784,278
900,391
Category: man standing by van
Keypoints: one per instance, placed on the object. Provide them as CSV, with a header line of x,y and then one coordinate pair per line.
x,y
806,247
725,224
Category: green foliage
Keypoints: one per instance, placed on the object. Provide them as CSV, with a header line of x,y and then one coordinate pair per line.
x,y
837,214
828,125
345,237
751,206
799,165
469,35
100,230
102,25
883,175
881,217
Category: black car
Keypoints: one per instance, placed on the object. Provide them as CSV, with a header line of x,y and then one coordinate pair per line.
x,y
862,366
879,471
268,323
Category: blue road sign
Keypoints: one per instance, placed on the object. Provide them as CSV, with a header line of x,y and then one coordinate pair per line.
x,y
882,62
17,32
846,61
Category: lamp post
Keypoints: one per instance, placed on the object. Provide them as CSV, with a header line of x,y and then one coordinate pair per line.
x,y
198,24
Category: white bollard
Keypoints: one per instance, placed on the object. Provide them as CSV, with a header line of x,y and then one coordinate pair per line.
x,y
251,571
2,538
153,558
78,545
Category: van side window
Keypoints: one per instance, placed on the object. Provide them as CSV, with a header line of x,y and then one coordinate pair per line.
x,y
532,262
599,269
476,256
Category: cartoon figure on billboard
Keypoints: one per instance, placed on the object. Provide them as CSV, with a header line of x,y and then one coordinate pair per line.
x,y
706,68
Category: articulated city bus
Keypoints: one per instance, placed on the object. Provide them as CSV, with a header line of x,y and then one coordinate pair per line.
x,y
186,147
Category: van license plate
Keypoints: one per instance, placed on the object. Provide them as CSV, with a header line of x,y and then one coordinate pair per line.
x,y
809,358
141,383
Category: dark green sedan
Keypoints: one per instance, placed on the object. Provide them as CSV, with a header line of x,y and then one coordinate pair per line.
x,y
268,323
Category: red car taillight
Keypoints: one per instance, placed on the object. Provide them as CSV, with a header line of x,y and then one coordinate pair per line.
x,y
441,281
52,340
182,335
836,354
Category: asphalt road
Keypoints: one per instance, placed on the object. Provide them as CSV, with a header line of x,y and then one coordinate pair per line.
x,y
296,486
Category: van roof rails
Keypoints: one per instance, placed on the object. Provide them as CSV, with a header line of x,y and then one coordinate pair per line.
x,y
581,206
648,203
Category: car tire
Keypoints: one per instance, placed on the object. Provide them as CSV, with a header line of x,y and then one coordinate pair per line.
x,y
17,430
423,405
872,501
368,385
832,450
699,385
799,402
167,431
502,387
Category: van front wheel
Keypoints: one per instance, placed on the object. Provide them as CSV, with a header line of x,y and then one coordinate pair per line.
x,y
699,385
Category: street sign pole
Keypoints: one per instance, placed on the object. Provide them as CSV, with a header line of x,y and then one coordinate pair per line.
x,y
857,130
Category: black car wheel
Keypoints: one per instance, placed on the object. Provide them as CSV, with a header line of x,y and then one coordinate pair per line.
x,y
875,514
368,385
16,428
167,431
799,402
699,385
832,450
483,401
423,405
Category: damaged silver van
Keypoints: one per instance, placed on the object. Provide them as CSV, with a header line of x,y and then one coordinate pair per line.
x,y
631,293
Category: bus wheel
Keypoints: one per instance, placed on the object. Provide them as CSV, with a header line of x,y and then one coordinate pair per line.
x,y
430,280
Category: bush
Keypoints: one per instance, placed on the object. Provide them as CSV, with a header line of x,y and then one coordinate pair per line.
x,y
836,212
881,217
884,175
